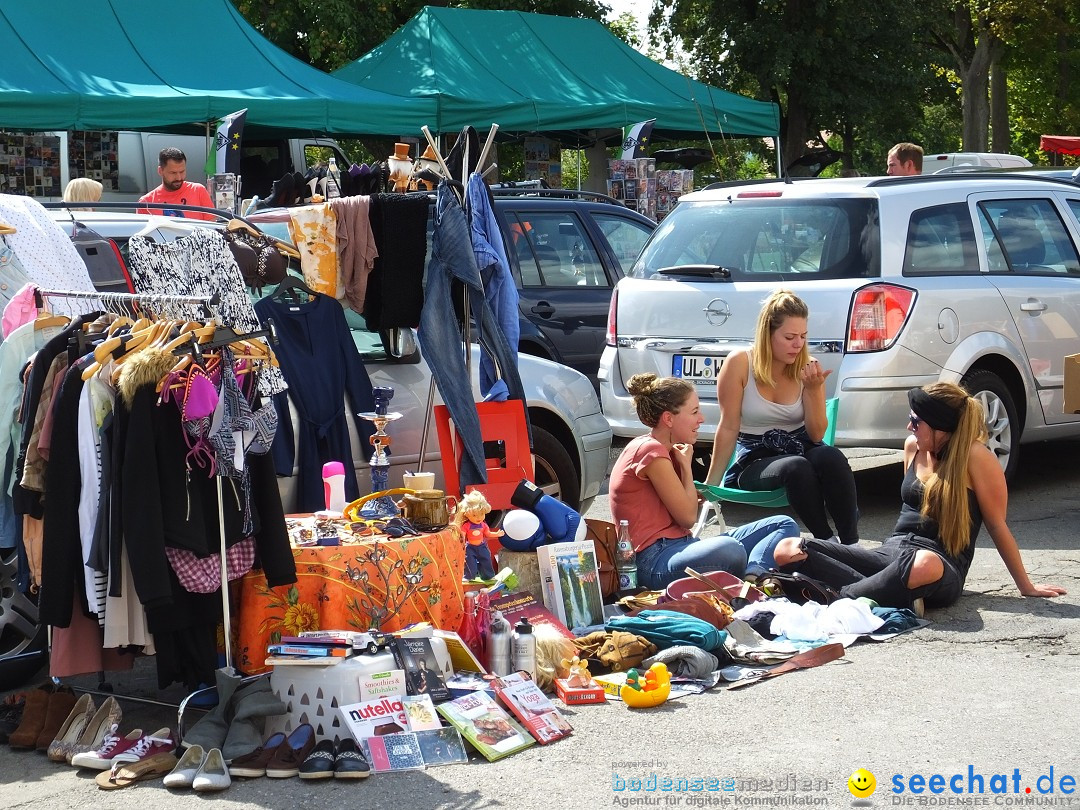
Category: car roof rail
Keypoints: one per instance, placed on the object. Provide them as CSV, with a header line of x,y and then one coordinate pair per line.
x,y
968,176
757,181
557,193
132,206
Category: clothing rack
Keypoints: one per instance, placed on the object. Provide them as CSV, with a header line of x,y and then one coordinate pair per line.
x,y
165,304
133,301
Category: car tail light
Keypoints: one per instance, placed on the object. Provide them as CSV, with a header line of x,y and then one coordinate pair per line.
x,y
612,307
123,266
878,314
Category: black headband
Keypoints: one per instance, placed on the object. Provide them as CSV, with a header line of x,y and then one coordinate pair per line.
x,y
934,412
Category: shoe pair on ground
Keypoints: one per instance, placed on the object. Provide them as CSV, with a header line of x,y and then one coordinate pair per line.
x,y
85,729
279,757
133,747
200,770
43,713
342,761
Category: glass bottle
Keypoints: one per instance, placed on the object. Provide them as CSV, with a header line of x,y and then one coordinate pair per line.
x,y
625,559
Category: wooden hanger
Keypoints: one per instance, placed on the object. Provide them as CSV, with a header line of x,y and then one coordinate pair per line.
x,y
46,319
6,229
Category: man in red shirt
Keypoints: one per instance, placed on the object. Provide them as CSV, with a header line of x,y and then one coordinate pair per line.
x,y
175,189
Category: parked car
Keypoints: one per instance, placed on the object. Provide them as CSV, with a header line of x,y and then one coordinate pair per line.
x,y
571,438
567,250
967,278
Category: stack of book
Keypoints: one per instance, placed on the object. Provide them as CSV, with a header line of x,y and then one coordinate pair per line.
x,y
318,649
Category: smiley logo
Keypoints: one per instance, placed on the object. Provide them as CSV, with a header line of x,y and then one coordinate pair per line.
x,y
861,783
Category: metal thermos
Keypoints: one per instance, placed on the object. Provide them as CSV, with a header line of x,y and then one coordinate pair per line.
x,y
524,648
499,646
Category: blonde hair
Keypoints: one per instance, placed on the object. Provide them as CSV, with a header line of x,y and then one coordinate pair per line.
x,y
83,190
473,499
778,307
945,493
654,395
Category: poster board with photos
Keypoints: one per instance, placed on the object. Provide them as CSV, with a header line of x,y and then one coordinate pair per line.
x,y
30,164
543,161
639,185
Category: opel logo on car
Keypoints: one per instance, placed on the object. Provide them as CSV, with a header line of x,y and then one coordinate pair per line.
x,y
717,312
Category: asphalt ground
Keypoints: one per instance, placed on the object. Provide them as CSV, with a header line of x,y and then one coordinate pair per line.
x,y
986,696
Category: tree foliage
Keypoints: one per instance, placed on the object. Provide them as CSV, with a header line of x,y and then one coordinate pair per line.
x,y
331,33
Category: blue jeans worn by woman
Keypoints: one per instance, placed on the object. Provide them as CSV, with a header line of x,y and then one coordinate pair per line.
x,y
747,549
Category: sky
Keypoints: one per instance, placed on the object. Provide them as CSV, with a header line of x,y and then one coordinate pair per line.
x,y
639,8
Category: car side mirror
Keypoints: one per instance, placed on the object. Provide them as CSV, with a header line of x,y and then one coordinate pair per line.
x,y
400,343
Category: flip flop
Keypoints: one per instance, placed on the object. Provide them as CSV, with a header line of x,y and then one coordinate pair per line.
x,y
128,773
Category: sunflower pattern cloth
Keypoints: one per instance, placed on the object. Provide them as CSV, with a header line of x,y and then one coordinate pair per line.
x,y
384,583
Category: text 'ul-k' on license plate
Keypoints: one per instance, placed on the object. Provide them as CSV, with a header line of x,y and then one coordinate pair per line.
x,y
696,368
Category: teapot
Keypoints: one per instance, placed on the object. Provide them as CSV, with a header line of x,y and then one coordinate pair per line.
x,y
428,509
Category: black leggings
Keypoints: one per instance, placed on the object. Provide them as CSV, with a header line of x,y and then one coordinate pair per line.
x,y
819,479
878,573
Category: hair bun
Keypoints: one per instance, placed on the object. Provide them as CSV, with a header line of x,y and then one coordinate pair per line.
x,y
641,384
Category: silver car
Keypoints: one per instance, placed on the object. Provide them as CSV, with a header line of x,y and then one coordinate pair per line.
x,y
967,278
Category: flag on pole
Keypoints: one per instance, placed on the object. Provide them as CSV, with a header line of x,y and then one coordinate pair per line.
x,y
636,138
225,151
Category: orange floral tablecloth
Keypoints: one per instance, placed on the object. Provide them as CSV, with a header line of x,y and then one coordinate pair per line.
x,y
385,583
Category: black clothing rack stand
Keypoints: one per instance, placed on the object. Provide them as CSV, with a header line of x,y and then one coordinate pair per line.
x,y
163,306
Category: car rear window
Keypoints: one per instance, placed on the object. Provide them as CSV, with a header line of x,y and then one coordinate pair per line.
x,y
767,240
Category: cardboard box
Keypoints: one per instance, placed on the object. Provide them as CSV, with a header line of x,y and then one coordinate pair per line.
x,y
1072,383
576,695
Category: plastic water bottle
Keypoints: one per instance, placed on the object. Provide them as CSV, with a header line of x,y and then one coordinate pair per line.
x,y
333,476
333,181
625,559
523,648
499,645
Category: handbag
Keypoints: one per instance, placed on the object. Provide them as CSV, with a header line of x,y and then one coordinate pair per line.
x,y
798,588
604,536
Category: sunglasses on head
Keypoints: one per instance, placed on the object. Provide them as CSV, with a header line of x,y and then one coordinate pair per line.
x,y
914,421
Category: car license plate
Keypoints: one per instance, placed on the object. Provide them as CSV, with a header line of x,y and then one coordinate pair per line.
x,y
700,369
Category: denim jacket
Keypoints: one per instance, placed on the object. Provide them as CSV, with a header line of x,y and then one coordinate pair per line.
x,y
751,447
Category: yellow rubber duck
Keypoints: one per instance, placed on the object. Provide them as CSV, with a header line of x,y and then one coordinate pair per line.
x,y
656,691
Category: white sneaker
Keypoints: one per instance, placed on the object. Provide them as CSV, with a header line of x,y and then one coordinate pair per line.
x,y
112,746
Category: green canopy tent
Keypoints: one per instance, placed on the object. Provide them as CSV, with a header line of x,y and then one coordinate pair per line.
x,y
540,73
132,64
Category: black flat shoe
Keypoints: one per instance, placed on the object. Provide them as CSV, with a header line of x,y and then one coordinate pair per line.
x,y
319,764
350,762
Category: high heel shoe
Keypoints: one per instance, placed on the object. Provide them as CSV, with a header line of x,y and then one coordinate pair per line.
x,y
106,717
72,729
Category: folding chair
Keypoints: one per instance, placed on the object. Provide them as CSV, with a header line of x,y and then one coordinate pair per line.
x,y
767,498
507,453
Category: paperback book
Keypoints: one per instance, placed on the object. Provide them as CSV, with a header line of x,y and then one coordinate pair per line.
x,y
382,684
325,651
394,752
571,581
301,660
420,712
442,747
532,707
486,725
422,676
517,606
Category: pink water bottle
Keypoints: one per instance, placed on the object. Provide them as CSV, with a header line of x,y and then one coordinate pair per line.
x,y
333,476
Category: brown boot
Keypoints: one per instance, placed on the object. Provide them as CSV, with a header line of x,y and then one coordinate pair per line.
x,y
61,702
33,718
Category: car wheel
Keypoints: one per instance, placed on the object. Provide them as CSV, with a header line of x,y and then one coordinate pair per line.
x,y
1002,422
22,639
554,471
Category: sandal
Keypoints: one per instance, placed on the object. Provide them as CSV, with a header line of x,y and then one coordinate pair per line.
x,y
128,773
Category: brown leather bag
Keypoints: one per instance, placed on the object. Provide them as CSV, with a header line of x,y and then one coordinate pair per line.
x,y
604,534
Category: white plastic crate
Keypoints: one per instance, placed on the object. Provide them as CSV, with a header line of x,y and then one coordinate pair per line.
x,y
312,694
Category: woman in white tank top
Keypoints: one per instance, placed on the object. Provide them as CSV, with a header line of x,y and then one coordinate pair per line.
x,y
772,417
